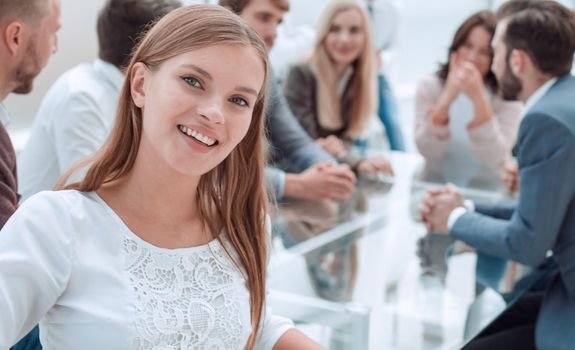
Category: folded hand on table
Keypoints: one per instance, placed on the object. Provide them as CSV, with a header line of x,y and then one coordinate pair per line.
x,y
324,180
436,206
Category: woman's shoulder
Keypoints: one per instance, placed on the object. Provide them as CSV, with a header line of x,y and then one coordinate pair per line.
x,y
51,214
61,202
429,88
303,66
302,69
430,82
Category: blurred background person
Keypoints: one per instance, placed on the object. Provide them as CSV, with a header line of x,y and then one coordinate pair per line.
x,y
78,112
464,129
333,93
29,31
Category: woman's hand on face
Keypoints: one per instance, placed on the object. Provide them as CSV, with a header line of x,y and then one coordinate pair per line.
x,y
439,113
332,145
469,80
452,87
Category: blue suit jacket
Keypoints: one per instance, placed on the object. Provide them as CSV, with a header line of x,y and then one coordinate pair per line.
x,y
544,218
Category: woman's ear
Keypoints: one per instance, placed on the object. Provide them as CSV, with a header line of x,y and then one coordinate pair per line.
x,y
138,76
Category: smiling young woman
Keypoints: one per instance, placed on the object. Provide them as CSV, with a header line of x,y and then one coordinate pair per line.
x,y
164,243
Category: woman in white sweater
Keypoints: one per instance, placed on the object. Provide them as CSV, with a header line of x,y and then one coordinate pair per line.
x,y
164,243
463,128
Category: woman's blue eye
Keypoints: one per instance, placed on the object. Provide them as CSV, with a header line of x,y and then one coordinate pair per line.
x,y
239,101
192,81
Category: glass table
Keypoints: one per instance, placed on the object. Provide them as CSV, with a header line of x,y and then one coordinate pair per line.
x,y
365,275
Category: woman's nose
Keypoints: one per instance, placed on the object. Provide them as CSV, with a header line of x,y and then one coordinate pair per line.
x,y
212,110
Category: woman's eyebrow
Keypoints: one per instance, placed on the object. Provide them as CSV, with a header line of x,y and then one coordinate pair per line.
x,y
208,76
247,90
198,69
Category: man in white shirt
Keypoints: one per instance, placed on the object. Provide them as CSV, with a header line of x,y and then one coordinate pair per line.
x,y
534,45
29,37
78,112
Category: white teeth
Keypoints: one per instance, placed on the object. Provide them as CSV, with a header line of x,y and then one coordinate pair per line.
x,y
198,136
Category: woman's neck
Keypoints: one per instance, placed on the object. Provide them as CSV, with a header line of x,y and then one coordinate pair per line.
x,y
158,204
340,69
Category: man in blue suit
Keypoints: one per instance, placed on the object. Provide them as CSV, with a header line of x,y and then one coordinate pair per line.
x,y
534,45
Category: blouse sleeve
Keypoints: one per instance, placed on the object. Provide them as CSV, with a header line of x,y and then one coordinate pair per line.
x,y
35,265
492,141
299,93
272,327
431,140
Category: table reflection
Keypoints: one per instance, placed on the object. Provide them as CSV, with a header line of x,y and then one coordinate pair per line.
x,y
371,251
332,267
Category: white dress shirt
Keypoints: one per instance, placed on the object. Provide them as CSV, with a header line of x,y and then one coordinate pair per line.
x,y
469,206
70,263
73,121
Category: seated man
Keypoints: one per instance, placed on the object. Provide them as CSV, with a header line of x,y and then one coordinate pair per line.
x,y
316,174
79,110
534,45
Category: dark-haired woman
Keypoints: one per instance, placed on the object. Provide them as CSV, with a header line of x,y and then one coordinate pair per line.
x,y
463,128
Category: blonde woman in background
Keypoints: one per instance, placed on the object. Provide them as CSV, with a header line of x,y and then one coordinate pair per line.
x,y
164,243
333,93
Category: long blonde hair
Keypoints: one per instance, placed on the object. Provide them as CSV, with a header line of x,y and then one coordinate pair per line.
x,y
233,192
362,82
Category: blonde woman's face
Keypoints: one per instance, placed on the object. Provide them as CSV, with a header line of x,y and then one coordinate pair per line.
x,y
197,106
346,37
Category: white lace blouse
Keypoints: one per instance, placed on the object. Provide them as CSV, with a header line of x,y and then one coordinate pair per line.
x,y
69,262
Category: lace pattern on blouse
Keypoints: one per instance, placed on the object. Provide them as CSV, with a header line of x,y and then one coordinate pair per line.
x,y
196,300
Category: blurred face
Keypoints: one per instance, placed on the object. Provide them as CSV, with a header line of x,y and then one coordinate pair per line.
x,y
41,45
509,83
477,50
197,106
346,37
264,17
